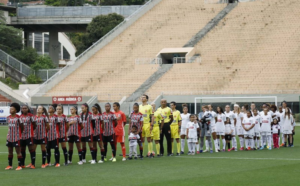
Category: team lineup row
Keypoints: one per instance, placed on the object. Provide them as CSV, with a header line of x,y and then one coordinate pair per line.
x,y
96,128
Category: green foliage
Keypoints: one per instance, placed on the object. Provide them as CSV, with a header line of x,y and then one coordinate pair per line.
x,y
112,2
10,38
42,62
2,18
64,2
33,79
27,56
134,2
11,83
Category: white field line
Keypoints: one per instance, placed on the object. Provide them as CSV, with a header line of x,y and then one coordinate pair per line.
x,y
237,158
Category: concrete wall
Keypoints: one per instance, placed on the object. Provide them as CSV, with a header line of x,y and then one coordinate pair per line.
x,y
13,73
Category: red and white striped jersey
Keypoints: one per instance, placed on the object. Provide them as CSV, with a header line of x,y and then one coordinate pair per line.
x,y
136,119
74,128
53,132
63,125
27,121
108,122
98,129
40,131
87,123
14,130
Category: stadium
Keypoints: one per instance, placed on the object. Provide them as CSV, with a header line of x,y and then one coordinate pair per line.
x,y
211,86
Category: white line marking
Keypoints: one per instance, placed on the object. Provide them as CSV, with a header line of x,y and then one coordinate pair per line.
x,y
236,158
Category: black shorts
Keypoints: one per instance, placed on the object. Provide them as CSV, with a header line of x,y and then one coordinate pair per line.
x,y
40,141
98,138
228,137
53,144
26,142
110,138
87,139
13,144
65,139
74,139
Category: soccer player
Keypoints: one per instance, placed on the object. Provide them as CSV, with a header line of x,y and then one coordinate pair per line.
x,y
15,128
288,126
87,132
281,114
191,134
239,129
74,134
40,137
136,119
98,132
265,125
157,124
205,128
248,124
253,107
185,118
166,112
175,127
109,120
29,124
213,125
276,133
53,137
63,129
220,128
147,112
119,129
133,138
232,118
256,118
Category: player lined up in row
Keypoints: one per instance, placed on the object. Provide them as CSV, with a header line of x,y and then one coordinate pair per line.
x,y
96,128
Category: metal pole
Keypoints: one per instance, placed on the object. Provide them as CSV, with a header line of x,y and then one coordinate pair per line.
x,y
47,74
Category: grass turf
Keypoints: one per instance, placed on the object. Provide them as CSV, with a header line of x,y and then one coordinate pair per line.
x,y
275,167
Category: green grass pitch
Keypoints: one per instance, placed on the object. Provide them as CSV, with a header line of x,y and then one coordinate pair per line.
x,y
275,167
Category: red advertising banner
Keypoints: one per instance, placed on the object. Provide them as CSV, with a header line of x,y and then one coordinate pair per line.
x,y
66,99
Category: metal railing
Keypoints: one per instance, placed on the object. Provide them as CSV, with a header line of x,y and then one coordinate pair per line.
x,y
78,11
140,61
91,47
234,92
13,62
45,74
193,59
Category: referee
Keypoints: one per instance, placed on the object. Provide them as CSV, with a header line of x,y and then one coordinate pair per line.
x,y
166,130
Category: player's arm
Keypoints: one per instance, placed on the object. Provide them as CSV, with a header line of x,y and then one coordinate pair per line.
x,y
129,127
243,125
253,124
234,121
171,117
187,133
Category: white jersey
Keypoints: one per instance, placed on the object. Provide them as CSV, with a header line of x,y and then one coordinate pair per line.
x,y
133,139
288,123
220,125
230,115
238,119
213,121
185,118
265,121
248,122
283,109
192,129
229,128
257,123
280,115
275,128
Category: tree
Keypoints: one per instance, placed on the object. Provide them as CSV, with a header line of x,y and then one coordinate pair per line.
x,y
2,17
10,38
28,55
134,2
42,62
112,2
64,2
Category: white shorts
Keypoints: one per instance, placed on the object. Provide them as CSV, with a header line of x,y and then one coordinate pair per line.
x,y
239,130
213,129
248,135
265,133
257,134
192,140
233,132
287,132
183,131
220,133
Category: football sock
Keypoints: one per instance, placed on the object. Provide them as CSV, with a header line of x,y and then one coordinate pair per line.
x,y
80,154
201,143
44,156
48,155
95,153
216,144
247,143
234,142
124,149
178,147
182,144
150,147
92,153
105,148
65,154
70,155
56,155
269,141
23,152
20,160
83,153
224,143
157,148
252,143
283,139
113,148
197,146
141,149
172,147
10,158
32,156
207,144
102,154
228,145
241,141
